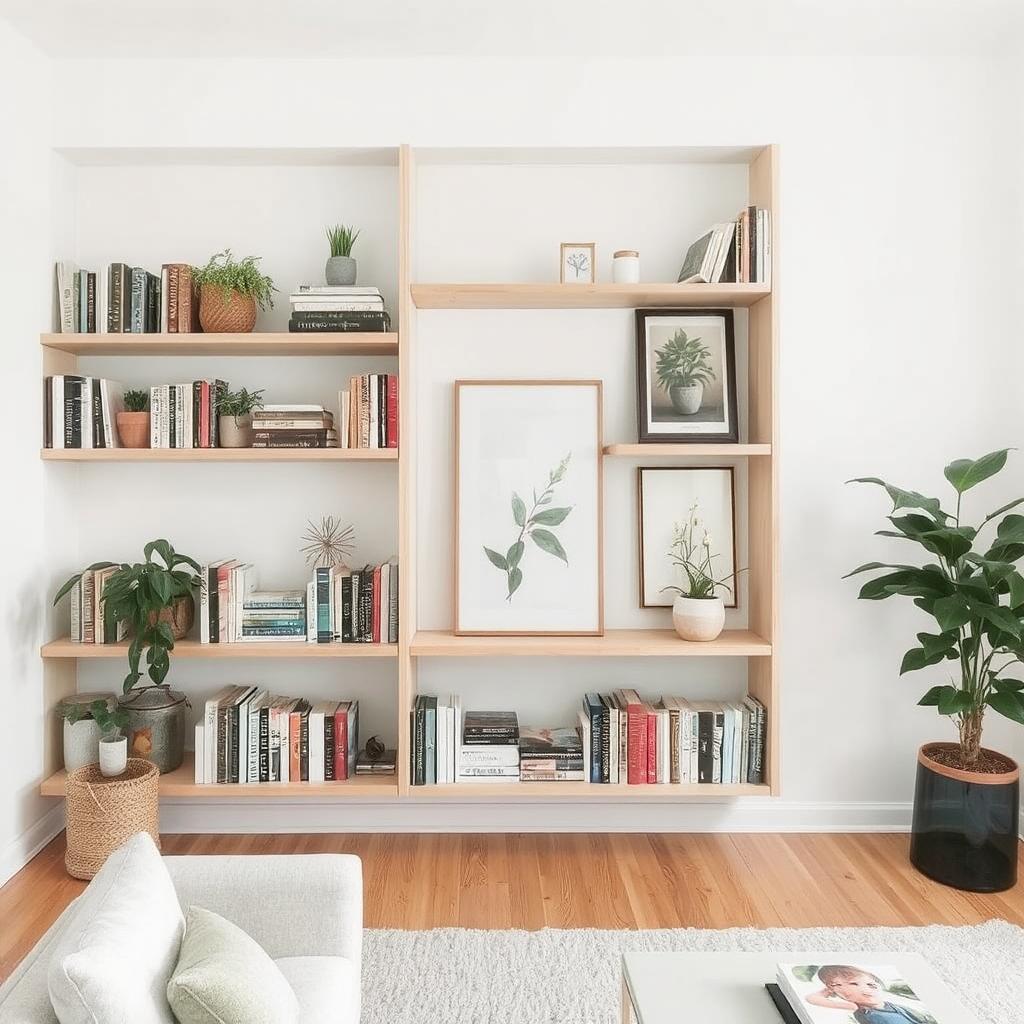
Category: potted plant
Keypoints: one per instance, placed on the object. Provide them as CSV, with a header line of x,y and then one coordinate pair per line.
x,y
230,291
967,796
133,422
698,612
341,267
81,731
113,744
155,598
683,369
234,417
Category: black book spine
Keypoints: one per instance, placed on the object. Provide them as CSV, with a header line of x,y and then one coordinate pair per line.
x,y
752,239
222,744
757,760
786,1012
213,605
233,724
264,744
197,392
346,610
72,412
705,745
90,300
357,626
323,601
606,740
347,325
421,744
329,769
366,608
339,314
304,747
98,437
114,306
382,410
152,304
172,416
48,412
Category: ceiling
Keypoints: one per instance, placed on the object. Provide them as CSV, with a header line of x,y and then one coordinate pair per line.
x,y
467,28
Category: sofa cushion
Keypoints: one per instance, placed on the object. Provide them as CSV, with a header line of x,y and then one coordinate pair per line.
x,y
327,988
112,963
224,977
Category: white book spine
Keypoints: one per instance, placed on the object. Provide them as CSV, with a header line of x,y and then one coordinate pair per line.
x,y
210,742
57,411
284,745
165,296
200,756
311,612
204,604
87,386
441,745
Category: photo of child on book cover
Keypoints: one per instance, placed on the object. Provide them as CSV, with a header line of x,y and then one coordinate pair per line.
x,y
861,995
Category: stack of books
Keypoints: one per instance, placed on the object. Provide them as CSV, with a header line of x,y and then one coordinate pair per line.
x,y
273,615
81,412
185,415
738,251
293,426
249,735
550,755
90,622
338,308
490,747
354,606
449,746
368,411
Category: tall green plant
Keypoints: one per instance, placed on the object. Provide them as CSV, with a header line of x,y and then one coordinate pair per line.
x,y
230,275
974,591
682,362
341,238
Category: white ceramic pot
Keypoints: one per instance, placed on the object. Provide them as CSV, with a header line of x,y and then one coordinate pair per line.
x,y
686,400
698,618
113,756
81,743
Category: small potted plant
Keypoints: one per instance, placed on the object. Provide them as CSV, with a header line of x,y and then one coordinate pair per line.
x,y
683,369
967,796
341,267
133,422
234,417
81,730
113,742
698,612
229,292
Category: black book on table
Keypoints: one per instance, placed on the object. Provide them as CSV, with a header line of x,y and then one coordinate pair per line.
x,y
786,1012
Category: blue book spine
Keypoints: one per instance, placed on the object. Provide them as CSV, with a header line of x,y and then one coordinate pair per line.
x,y
324,634
594,709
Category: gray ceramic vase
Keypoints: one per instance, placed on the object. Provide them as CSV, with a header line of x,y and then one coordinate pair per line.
x,y
235,431
340,270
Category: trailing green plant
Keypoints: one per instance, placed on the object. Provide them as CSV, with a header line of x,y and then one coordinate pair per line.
x,y
238,403
691,553
110,719
230,275
971,587
341,238
682,362
137,594
136,400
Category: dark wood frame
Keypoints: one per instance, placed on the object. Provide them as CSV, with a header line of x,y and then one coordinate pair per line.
x,y
645,433
735,600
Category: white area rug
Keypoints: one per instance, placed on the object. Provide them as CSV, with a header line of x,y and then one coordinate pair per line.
x,y
459,976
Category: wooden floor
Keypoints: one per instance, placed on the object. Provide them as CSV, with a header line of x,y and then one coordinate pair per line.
x,y
580,881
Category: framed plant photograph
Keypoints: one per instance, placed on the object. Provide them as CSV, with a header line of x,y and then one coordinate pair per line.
x,y
686,376
578,262
528,507
673,499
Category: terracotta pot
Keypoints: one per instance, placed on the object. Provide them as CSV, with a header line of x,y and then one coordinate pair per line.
x,y
698,618
965,822
225,312
235,431
179,616
133,429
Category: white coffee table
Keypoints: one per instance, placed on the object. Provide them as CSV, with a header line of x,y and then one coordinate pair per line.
x,y
728,988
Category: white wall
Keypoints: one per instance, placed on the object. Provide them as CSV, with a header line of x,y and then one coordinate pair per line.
x,y
896,330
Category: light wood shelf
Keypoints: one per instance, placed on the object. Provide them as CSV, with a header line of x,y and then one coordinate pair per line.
x,y
679,451
219,454
616,643
254,344
181,783
546,791
65,648
584,296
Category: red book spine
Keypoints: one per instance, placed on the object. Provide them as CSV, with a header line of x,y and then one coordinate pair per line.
x,y
376,605
294,746
223,591
636,743
392,421
652,747
340,745
204,414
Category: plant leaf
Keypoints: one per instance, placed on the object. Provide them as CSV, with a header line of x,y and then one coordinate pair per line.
x,y
551,516
941,643
1008,704
547,541
906,499
951,612
1000,617
952,701
515,577
916,658
867,566
964,474
518,510
514,554
1008,685
498,561
934,695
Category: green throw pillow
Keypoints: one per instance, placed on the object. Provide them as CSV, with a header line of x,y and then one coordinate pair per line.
x,y
224,977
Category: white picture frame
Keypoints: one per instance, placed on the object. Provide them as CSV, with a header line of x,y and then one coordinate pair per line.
x,y
525,452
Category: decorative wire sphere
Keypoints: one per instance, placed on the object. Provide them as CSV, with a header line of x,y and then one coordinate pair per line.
x,y
328,543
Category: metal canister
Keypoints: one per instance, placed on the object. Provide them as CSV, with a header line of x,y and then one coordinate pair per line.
x,y
156,725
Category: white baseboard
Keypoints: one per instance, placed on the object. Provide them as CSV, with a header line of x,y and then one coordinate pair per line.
x,y
22,849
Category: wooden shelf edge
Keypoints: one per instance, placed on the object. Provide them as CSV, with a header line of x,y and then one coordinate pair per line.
x,y
219,454
680,451
65,648
254,343
574,791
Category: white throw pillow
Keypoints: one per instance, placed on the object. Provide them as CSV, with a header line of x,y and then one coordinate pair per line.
x,y
112,964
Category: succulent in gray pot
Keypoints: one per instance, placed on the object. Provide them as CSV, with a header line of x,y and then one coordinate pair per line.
x,y
683,368
967,797
234,417
341,267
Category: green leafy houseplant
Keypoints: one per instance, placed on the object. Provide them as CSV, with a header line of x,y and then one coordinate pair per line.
x,y
138,594
111,720
136,400
229,275
341,238
683,362
692,555
973,589
239,403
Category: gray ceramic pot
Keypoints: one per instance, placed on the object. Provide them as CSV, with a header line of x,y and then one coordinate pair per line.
x,y
81,738
235,431
686,400
340,270
156,725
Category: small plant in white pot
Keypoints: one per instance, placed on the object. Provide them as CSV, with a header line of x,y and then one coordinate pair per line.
x,y
698,612
341,267
113,742
684,369
234,417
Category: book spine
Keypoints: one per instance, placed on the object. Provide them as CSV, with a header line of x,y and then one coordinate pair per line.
x,y
90,303
606,739
420,777
263,743
324,633
172,299
304,747
294,746
392,410
636,773
341,745
222,737
329,768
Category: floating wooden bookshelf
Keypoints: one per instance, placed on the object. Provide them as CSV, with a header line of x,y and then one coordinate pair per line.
x,y
255,344
219,454
529,791
181,783
584,296
65,648
682,451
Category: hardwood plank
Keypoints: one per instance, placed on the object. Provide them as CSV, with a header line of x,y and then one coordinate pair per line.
x,y
265,343
218,454
65,648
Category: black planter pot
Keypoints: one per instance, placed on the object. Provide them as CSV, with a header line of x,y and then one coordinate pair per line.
x,y
965,824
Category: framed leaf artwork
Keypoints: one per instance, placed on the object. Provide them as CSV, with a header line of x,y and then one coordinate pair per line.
x,y
528,512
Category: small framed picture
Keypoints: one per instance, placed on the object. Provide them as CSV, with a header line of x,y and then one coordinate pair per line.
x,y
686,376
578,259
674,499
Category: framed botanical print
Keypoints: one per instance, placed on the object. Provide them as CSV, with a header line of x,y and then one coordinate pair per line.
x,y
686,376
528,507
698,499
578,263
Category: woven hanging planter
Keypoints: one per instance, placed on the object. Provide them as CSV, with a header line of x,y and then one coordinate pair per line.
x,y
225,312
103,813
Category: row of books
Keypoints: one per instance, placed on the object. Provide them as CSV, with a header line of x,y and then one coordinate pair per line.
x,y
90,622
338,605
337,308
185,415
119,299
291,425
368,412
81,412
735,251
250,735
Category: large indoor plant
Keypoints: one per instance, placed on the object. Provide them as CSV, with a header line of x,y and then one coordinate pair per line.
x,y
683,368
229,292
155,598
967,797
341,268
234,417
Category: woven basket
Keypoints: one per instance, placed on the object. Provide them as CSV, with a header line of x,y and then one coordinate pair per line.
x,y
223,312
103,813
